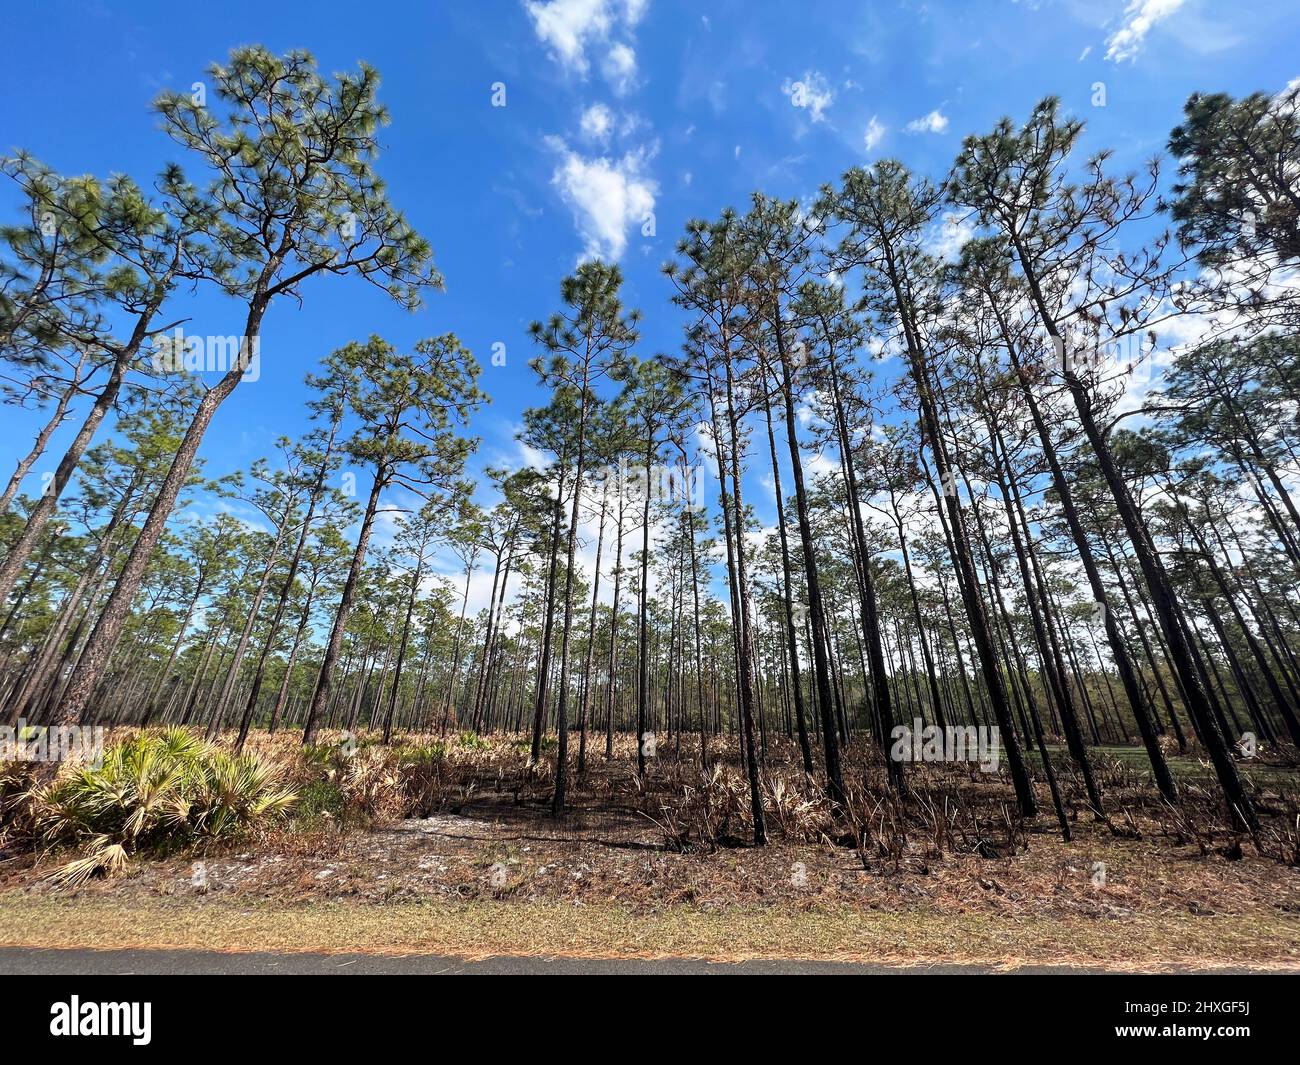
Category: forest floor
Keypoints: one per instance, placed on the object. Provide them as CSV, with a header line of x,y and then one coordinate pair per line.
x,y
490,872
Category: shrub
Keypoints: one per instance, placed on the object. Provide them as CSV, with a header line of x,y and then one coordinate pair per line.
x,y
422,753
370,782
379,785
320,801
155,791
472,740
17,811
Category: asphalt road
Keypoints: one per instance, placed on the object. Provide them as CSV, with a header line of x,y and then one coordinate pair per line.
x,y
28,961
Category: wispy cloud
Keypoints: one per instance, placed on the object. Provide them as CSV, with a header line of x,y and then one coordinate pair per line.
x,y
812,92
934,122
873,135
1139,17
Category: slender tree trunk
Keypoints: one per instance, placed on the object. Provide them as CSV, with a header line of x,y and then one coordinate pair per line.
x,y
613,634
591,640
25,463
816,610
745,678
1047,653
112,618
218,719
787,596
544,666
1153,573
320,697
401,651
642,641
562,701
455,651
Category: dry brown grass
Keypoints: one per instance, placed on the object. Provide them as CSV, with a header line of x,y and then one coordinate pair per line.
x,y
481,929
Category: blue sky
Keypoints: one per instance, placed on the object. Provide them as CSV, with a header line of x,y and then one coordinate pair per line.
x,y
615,110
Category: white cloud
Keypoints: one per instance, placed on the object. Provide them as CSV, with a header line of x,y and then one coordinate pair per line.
x,y
571,27
1087,51
619,68
1139,17
566,25
596,122
821,466
934,122
811,92
873,135
947,236
606,197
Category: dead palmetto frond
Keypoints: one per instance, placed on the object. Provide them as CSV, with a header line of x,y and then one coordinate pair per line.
x,y
102,856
